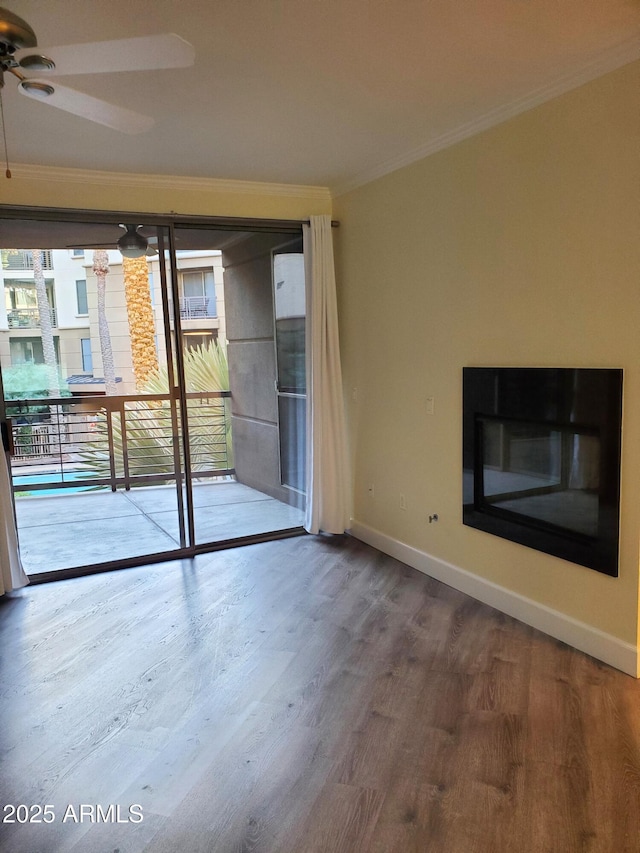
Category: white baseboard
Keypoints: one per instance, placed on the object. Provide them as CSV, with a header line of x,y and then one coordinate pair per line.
x,y
586,638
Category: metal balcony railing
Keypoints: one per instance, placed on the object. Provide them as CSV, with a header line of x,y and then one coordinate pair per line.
x,y
118,442
196,307
22,259
28,318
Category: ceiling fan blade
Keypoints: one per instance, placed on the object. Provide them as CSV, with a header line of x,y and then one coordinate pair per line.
x,y
86,106
150,253
142,53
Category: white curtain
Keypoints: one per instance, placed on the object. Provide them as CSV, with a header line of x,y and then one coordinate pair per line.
x,y
328,481
12,575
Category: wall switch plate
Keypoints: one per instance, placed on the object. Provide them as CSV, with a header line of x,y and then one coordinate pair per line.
x,y
430,405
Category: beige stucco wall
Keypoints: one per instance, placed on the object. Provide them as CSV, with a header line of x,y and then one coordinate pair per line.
x,y
520,246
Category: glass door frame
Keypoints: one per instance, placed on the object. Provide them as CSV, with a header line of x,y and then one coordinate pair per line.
x,y
175,362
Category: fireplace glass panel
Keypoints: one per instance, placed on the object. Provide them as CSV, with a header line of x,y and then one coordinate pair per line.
x,y
545,474
541,459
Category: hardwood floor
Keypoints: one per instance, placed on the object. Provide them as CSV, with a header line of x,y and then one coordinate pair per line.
x,y
302,696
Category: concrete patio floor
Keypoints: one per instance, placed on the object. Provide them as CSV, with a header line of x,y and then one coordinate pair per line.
x,y
69,530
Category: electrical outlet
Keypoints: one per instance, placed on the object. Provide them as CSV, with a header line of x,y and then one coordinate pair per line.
x,y
430,405
403,502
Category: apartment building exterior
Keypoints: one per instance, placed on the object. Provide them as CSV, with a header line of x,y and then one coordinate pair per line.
x,y
73,299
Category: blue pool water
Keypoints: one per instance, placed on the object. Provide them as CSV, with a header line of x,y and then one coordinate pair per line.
x,y
22,482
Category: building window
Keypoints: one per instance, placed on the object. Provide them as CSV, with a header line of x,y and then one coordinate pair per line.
x,y
21,302
29,351
22,259
81,296
87,358
77,253
193,340
197,294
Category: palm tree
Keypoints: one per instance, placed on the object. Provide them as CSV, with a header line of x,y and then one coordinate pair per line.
x,y
141,319
46,325
101,270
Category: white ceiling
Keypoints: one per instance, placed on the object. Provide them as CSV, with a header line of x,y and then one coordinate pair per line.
x,y
316,92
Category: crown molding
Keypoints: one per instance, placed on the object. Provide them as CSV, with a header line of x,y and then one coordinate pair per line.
x,y
30,172
610,60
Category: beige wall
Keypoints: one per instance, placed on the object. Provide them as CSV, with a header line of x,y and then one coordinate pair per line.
x,y
48,187
520,246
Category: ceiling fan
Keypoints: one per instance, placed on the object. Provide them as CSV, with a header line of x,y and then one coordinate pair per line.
x,y
134,243
19,52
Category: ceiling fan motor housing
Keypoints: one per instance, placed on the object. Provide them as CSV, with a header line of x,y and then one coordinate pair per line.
x,y
14,33
132,244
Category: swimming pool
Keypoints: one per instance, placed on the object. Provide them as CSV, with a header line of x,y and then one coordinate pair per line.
x,y
22,482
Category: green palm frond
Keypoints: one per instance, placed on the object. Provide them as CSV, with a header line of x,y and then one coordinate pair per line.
x,y
149,429
205,369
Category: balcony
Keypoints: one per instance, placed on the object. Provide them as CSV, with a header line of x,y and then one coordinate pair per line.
x,y
196,308
120,441
22,259
95,479
66,531
28,318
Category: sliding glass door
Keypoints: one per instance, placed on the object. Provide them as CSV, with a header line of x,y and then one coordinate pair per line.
x,y
144,390
229,350
86,355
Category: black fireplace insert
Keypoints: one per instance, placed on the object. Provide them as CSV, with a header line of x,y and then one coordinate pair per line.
x,y
541,459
